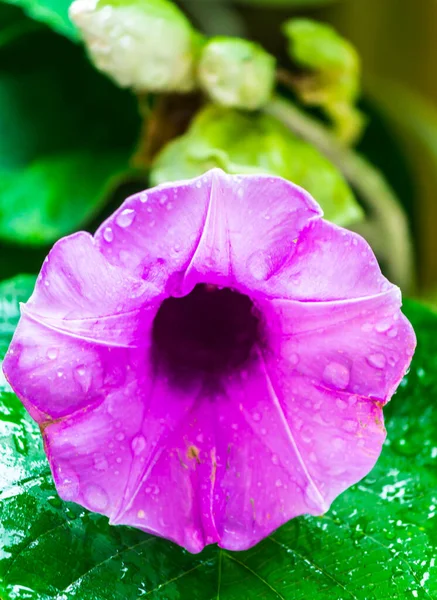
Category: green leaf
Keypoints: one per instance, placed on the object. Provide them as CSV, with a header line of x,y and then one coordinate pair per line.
x,y
333,82
255,143
66,133
12,292
53,13
378,542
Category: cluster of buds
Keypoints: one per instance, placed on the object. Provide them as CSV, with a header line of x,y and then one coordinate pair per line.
x,y
150,46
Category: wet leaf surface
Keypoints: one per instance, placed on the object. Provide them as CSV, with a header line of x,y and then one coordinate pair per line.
x,y
378,541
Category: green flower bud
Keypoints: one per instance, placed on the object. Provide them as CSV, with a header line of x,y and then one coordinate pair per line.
x,y
244,142
148,45
333,81
237,73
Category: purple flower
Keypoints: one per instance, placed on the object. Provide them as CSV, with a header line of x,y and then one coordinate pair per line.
x,y
213,362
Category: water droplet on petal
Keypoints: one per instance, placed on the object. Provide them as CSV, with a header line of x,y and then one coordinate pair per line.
x,y
383,326
377,360
258,265
275,459
294,358
350,426
108,234
100,463
84,377
60,372
52,353
119,437
141,514
68,485
163,199
278,483
256,416
96,497
125,218
337,375
138,444
393,332
143,197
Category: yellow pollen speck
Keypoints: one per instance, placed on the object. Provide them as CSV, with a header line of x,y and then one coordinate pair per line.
x,y
141,514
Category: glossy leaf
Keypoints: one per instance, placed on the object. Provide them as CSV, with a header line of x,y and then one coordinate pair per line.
x,y
53,13
239,142
66,133
378,541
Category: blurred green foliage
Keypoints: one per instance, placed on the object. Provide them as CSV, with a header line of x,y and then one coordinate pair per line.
x,y
241,142
53,13
66,134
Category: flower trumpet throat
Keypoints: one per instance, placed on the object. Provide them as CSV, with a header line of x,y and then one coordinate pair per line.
x,y
212,362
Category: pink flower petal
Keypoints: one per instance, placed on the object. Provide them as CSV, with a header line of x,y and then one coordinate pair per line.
x,y
200,414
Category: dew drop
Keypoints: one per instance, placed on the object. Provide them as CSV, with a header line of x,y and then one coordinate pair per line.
x,y
141,514
393,332
383,326
350,426
256,416
275,459
337,375
163,200
108,234
278,483
138,444
100,463
68,485
52,353
143,197
125,218
258,265
119,437
294,358
60,372
377,360
96,497
83,376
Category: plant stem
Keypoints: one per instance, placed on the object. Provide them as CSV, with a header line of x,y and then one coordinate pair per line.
x,y
386,227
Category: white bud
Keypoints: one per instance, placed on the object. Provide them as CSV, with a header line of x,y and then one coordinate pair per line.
x,y
237,73
148,45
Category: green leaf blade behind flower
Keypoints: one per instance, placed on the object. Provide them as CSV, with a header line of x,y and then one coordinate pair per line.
x,y
53,13
65,134
378,541
239,142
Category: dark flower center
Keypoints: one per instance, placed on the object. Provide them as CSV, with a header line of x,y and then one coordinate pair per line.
x,y
210,330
